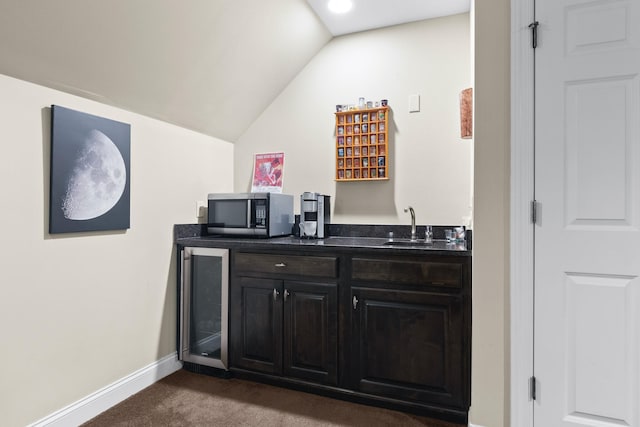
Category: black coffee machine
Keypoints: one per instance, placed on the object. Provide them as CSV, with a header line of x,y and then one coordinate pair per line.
x,y
315,214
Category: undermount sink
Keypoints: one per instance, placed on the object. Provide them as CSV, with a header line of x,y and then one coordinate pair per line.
x,y
407,242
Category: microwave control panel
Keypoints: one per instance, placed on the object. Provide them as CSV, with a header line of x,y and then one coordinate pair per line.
x,y
260,212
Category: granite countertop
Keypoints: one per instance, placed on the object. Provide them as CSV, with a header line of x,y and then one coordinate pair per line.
x,y
342,237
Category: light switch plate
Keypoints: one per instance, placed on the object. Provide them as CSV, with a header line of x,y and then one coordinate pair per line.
x,y
414,103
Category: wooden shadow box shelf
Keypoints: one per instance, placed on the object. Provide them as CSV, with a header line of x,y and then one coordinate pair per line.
x,y
362,145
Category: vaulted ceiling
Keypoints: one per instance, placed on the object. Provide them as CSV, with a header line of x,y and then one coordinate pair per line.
x,y
208,65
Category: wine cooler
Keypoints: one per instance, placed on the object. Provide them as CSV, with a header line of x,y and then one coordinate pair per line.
x,y
204,300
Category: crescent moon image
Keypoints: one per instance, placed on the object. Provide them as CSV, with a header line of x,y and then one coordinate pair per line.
x,y
97,181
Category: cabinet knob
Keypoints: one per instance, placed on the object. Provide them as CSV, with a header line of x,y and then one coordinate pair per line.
x,y
355,302
286,294
275,294
281,264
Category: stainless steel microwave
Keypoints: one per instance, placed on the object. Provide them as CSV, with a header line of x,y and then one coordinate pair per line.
x,y
250,214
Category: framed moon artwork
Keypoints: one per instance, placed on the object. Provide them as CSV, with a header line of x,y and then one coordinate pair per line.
x,y
90,172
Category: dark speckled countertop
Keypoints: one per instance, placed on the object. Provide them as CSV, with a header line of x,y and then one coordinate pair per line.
x,y
342,237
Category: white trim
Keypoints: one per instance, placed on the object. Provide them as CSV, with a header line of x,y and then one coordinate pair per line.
x,y
474,425
90,406
522,193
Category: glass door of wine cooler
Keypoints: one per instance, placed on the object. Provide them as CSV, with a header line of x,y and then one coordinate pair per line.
x,y
204,306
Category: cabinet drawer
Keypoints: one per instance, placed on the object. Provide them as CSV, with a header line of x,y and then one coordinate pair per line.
x,y
414,272
314,266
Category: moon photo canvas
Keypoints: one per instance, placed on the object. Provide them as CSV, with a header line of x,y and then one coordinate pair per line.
x,y
90,172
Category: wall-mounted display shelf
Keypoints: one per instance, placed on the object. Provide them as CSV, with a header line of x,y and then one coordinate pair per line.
x,y
362,144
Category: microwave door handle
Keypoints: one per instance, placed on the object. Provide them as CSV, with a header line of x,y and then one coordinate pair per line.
x,y
249,213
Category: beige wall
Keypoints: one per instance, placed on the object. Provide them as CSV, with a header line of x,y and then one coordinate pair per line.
x,y
80,311
430,166
490,350
73,323
416,58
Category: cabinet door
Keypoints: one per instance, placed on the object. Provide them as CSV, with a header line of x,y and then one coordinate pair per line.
x,y
408,345
256,324
310,331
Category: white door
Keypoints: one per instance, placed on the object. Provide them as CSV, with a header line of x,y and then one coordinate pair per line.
x,y
587,238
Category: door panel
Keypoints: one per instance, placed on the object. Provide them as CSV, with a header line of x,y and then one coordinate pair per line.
x,y
600,331
587,181
598,147
256,325
406,345
310,332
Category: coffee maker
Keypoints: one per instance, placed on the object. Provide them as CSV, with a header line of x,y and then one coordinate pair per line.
x,y
315,213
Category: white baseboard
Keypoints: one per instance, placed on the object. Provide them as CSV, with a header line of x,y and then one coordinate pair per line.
x,y
474,425
87,408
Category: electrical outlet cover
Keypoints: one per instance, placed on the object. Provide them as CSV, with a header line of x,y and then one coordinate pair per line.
x,y
414,103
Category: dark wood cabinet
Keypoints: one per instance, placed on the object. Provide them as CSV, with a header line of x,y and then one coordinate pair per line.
x,y
284,327
410,324
255,336
310,332
378,327
407,345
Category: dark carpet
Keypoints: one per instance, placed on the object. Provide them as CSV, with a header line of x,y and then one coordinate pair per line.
x,y
188,399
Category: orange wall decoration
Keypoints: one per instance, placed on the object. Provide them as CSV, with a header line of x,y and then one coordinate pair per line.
x,y
466,113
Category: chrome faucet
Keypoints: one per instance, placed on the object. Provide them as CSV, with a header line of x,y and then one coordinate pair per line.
x,y
413,223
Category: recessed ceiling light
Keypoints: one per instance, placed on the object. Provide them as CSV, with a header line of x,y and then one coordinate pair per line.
x,y
340,6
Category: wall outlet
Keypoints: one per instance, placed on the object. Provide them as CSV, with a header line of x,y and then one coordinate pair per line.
x,y
201,209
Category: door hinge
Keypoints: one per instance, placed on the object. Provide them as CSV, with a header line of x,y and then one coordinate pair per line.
x,y
534,211
534,33
532,388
